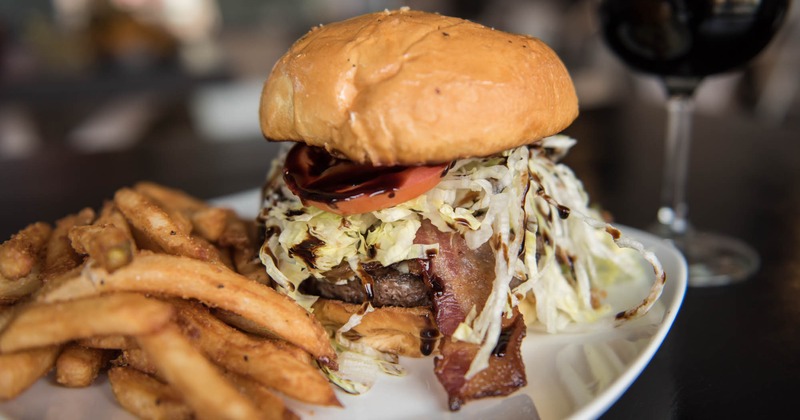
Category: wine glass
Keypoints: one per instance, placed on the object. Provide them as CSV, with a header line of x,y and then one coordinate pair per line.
x,y
682,41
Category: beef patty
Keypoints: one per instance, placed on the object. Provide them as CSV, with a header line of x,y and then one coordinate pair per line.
x,y
390,286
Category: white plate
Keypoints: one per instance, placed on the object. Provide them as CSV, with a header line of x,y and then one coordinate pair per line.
x,y
576,375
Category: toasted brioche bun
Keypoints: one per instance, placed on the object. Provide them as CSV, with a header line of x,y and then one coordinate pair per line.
x,y
409,87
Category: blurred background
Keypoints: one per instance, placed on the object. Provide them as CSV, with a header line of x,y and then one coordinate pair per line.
x,y
99,94
95,94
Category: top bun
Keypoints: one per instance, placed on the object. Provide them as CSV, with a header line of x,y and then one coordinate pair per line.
x,y
407,87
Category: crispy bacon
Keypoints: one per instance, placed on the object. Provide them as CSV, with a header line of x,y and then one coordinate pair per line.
x,y
461,278
505,374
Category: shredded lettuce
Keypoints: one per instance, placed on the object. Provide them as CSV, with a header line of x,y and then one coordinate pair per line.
x,y
557,246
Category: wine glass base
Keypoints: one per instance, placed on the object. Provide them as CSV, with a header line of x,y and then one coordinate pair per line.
x,y
716,260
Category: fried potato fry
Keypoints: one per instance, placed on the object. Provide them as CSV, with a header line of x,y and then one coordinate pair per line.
x,y
19,254
40,325
203,387
106,244
212,284
170,197
139,360
14,290
156,224
78,366
260,359
235,234
147,397
271,405
6,313
60,256
210,222
110,215
109,342
18,371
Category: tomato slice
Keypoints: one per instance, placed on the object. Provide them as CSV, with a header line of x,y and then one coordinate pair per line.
x,y
344,187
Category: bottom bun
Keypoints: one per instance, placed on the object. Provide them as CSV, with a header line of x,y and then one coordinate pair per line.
x,y
403,331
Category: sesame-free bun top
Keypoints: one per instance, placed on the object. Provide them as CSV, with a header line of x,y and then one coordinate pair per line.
x,y
408,87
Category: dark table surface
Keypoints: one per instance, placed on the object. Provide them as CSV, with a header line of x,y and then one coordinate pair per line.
x,y
733,351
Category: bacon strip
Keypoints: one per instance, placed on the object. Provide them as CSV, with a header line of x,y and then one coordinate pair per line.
x,y
461,278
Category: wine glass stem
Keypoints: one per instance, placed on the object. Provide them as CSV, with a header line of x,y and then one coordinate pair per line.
x,y
672,214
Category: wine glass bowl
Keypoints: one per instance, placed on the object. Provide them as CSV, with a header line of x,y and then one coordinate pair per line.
x,y
682,42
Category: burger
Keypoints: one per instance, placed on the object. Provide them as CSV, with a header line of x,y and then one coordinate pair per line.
x,y
419,207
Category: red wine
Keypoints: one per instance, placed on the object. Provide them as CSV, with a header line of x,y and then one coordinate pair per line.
x,y
689,38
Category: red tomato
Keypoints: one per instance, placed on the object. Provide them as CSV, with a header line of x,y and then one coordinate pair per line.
x,y
343,187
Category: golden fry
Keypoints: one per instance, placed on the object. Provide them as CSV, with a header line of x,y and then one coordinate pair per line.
x,y
270,404
212,284
147,397
106,244
109,342
78,366
202,385
210,222
60,257
139,360
20,370
259,358
110,215
45,324
235,234
19,254
156,224
170,197
14,290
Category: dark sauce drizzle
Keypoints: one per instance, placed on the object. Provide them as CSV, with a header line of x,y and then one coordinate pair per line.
x,y
327,179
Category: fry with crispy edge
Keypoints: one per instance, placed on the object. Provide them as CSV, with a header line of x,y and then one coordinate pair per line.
x,y
259,358
158,226
109,342
14,290
139,360
170,197
59,255
20,370
78,366
212,284
210,222
19,254
147,397
40,325
271,405
202,385
106,244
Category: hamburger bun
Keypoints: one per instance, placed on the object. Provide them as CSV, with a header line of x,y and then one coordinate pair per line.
x,y
407,87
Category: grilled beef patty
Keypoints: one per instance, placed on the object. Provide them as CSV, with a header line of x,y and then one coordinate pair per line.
x,y
390,286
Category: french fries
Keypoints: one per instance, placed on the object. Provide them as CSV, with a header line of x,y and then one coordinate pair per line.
x,y
165,285
212,284
156,224
277,367
20,370
107,244
19,254
78,366
121,313
201,383
109,342
14,290
145,396
270,404
60,256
